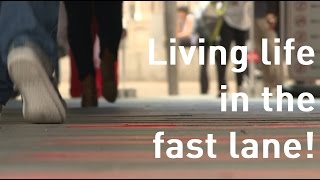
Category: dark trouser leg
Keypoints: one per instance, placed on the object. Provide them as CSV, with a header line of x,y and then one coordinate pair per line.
x,y
6,85
227,35
81,44
204,80
240,38
79,15
109,16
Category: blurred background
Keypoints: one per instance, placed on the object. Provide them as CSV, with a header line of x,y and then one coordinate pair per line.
x,y
143,20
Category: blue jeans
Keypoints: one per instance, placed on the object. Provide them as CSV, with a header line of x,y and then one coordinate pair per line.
x,y
21,22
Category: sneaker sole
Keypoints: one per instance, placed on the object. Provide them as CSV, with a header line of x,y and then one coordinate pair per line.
x,y
41,103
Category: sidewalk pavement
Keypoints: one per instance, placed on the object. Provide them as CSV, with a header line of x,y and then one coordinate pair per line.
x,y
115,140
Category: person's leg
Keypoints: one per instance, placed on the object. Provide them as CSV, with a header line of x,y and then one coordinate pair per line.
x,y
227,35
270,75
6,85
240,39
257,41
62,36
75,84
109,16
79,14
28,51
276,70
204,80
26,21
62,39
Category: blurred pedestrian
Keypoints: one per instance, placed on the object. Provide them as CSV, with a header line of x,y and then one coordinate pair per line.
x,y
76,89
208,26
266,27
185,28
235,27
109,19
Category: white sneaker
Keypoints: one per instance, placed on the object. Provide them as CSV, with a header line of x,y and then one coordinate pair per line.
x,y
41,102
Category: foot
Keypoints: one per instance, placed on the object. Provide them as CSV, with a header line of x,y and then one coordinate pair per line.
x,y
89,94
42,103
109,80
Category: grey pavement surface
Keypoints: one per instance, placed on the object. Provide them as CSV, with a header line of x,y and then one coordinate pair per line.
x,y
115,140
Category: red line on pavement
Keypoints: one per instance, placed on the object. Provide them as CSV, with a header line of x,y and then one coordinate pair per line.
x,y
181,137
164,173
220,141
121,125
142,156
185,127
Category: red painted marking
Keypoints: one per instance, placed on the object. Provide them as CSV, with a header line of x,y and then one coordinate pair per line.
x,y
142,157
194,126
88,155
147,140
120,125
181,137
235,128
164,173
100,142
150,125
293,124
